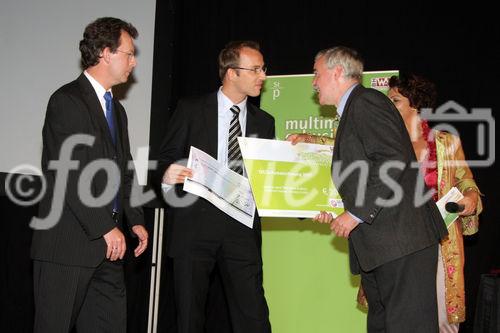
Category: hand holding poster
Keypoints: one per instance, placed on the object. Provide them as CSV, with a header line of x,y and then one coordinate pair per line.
x,y
290,180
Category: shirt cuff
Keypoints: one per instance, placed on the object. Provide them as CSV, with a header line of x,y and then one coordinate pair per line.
x,y
166,187
355,217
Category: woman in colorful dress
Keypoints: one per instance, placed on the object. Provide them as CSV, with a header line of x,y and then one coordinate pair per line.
x,y
443,162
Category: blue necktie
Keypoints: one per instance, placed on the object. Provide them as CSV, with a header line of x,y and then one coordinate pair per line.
x,y
111,124
109,115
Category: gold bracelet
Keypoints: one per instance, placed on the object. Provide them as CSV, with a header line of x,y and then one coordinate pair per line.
x,y
470,188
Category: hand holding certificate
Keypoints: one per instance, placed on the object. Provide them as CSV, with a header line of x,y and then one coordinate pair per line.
x,y
290,180
224,188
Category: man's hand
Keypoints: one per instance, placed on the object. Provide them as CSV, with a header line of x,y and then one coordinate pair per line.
x,y
142,235
323,217
300,137
116,244
176,174
343,224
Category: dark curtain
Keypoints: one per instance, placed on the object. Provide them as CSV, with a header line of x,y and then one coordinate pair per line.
x,y
16,277
456,47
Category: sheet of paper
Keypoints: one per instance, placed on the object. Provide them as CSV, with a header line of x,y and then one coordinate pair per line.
x,y
453,195
224,188
290,180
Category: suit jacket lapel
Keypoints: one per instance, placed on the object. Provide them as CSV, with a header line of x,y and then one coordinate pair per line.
x,y
343,119
120,126
211,119
252,127
95,109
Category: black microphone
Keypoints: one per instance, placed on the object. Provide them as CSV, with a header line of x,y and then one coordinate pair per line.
x,y
453,207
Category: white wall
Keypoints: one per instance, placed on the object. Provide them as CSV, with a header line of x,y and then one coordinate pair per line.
x,y
39,52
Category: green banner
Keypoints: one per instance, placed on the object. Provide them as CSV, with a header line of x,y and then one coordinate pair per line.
x,y
306,272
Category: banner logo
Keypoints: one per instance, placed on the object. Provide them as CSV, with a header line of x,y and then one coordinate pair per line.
x,y
276,90
379,83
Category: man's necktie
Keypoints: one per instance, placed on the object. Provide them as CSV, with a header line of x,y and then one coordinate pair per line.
x,y
234,160
109,115
111,124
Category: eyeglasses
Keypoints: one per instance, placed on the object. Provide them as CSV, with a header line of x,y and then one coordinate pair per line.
x,y
130,54
256,70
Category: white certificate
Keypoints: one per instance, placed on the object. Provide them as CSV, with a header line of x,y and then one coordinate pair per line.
x,y
453,195
224,188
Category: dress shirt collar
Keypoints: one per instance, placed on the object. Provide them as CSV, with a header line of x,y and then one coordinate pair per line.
x,y
99,90
343,100
226,103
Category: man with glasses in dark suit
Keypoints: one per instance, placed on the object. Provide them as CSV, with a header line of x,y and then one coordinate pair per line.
x,y
78,268
200,236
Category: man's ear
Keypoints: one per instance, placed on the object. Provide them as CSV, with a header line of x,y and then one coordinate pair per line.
x,y
232,74
337,72
106,55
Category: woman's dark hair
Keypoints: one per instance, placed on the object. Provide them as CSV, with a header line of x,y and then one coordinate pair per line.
x,y
103,32
420,92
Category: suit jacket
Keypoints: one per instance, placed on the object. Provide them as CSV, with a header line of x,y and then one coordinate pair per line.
x,y
370,133
77,237
195,124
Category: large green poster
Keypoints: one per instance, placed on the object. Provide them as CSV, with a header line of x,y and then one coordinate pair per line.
x,y
306,271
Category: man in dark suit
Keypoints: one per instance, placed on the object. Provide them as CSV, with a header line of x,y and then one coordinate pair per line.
x,y
200,236
78,270
393,229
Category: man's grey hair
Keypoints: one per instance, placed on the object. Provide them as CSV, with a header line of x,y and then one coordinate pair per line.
x,y
349,59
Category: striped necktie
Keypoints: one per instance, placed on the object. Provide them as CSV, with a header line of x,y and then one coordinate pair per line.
x,y
234,159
